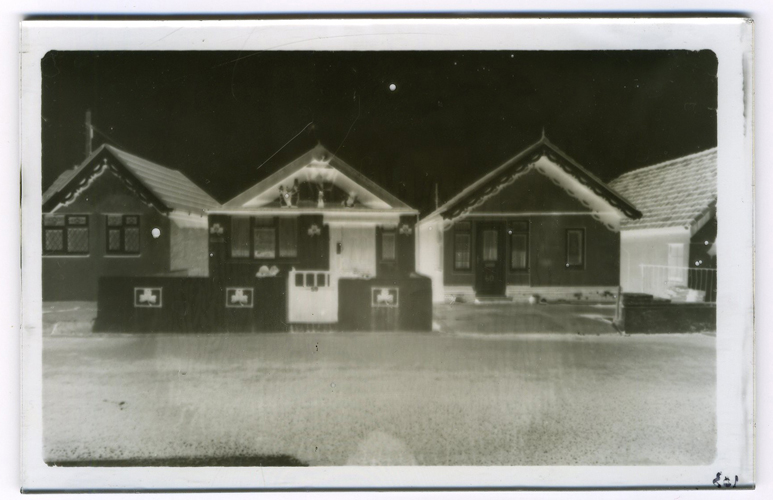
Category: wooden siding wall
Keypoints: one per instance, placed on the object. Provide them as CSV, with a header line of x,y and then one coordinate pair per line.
x,y
550,211
547,254
75,277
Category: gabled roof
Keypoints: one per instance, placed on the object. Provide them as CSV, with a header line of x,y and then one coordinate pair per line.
x,y
168,189
318,159
675,193
589,189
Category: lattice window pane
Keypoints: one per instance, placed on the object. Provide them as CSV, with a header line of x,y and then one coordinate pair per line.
x,y
114,240
131,239
54,240
115,220
77,239
132,220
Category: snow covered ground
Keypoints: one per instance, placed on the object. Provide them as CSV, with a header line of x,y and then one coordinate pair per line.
x,y
468,398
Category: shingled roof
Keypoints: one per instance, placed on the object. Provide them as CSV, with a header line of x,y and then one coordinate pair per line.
x,y
675,193
170,187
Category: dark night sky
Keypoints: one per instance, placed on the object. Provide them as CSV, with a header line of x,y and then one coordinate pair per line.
x,y
217,116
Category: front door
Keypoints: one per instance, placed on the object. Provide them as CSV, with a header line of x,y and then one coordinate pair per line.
x,y
490,252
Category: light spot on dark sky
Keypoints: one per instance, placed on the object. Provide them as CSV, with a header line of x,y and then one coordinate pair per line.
x,y
612,111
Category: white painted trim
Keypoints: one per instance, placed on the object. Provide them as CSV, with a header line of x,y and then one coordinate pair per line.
x,y
698,224
67,256
182,219
306,173
525,214
356,212
655,231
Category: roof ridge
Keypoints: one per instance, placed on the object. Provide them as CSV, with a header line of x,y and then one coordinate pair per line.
x,y
113,149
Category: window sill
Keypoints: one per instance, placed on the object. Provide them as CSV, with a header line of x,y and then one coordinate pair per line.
x,y
122,256
67,256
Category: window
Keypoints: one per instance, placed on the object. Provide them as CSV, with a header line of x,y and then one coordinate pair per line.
x,y
65,234
288,237
123,234
388,245
462,246
575,248
264,238
490,245
519,246
240,237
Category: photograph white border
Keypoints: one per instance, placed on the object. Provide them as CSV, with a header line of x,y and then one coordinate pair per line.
x,y
729,38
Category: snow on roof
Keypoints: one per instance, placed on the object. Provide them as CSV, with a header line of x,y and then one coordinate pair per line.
x,y
312,164
675,193
170,186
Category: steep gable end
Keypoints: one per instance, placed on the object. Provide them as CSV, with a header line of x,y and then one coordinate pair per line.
x,y
317,167
163,188
603,202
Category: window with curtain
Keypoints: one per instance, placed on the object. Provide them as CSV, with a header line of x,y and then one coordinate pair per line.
x,y
65,234
264,239
462,246
490,245
519,251
575,248
123,234
240,237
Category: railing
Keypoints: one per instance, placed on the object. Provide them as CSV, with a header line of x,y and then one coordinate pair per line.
x,y
312,297
680,284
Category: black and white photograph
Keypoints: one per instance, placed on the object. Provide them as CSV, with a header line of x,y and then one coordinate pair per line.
x,y
354,256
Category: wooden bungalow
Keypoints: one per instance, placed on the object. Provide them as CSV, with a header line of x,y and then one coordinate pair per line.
x,y
117,214
344,244
539,225
669,251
